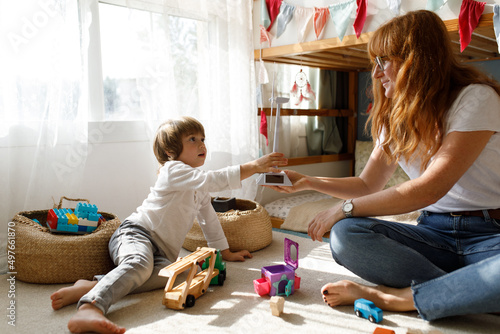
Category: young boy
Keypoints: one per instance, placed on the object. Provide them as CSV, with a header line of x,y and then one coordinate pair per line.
x,y
151,238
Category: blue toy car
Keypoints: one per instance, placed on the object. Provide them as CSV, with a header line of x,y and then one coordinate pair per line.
x,y
366,309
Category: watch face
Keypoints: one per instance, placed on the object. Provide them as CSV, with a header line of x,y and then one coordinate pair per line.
x,y
348,207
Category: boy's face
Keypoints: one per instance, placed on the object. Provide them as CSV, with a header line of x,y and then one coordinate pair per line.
x,y
194,150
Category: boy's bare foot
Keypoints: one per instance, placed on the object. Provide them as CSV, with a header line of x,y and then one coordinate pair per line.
x,y
72,294
388,299
89,318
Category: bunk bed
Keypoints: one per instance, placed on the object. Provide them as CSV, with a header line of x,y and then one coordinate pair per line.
x,y
351,55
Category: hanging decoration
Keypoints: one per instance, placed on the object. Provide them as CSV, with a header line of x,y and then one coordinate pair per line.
x,y
434,5
304,17
470,12
395,6
284,17
273,7
265,36
496,24
265,21
320,19
359,22
301,89
341,16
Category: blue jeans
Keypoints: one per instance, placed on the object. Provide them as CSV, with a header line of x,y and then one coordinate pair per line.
x,y
138,261
452,263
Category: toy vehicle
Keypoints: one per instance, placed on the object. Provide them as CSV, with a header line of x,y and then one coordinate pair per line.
x,y
280,279
196,284
366,309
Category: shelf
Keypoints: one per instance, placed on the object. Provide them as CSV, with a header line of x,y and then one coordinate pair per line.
x,y
310,112
316,159
350,54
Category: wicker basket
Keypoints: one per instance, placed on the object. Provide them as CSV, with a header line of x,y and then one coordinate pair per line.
x,y
248,227
43,257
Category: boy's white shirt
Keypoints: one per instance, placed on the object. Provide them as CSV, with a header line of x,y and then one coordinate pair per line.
x,y
181,194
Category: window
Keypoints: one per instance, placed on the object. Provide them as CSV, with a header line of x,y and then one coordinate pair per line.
x,y
149,61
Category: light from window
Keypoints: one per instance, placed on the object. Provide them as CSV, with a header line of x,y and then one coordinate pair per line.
x,y
149,62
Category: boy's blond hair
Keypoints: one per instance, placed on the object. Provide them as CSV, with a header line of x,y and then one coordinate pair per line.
x,y
168,141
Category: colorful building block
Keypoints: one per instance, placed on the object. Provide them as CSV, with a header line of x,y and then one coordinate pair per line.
x,y
84,219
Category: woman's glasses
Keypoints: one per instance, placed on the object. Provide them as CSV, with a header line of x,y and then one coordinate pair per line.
x,y
380,62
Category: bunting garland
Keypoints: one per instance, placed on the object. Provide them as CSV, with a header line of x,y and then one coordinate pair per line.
x,y
320,19
340,14
496,24
359,22
470,12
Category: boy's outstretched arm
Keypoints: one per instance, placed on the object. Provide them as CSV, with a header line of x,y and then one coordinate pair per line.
x,y
227,255
267,163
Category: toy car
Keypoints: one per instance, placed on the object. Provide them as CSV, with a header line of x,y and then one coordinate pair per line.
x,y
366,309
196,284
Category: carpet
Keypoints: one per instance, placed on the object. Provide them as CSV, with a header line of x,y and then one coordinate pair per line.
x,y
233,307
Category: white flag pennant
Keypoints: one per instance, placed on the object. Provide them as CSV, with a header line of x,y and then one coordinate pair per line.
x,y
341,16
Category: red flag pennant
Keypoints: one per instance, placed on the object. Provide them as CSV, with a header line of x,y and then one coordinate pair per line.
x,y
273,7
263,125
359,22
470,12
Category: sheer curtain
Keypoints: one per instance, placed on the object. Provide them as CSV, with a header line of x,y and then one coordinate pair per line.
x,y
208,74
43,105
46,103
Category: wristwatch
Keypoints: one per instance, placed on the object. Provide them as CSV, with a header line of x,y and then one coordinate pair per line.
x,y
347,207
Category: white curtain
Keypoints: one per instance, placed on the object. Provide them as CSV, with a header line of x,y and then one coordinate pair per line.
x,y
43,105
45,101
220,90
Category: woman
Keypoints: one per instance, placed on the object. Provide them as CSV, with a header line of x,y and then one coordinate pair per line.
x,y
440,120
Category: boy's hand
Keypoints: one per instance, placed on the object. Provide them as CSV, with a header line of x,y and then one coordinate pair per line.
x,y
267,163
240,256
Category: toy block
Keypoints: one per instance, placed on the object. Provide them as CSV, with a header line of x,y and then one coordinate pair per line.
x,y
277,304
61,216
296,284
380,330
72,219
83,210
52,219
82,228
261,286
93,216
86,222
414,331
91,229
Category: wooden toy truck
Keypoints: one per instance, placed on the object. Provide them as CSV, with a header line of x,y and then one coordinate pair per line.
x,y
196,284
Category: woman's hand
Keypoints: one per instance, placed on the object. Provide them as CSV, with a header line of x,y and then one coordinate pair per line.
x,y
240,256
299,183
324,221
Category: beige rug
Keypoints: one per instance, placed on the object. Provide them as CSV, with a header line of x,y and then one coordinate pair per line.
x,y
234,307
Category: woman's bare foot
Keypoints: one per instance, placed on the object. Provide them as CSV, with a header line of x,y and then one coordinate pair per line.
x,y
89,318
72,294
388,299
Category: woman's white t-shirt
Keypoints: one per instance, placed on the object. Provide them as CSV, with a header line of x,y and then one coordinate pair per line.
x,y
477,108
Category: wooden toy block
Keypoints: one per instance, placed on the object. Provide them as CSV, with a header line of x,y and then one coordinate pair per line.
x,y
277,304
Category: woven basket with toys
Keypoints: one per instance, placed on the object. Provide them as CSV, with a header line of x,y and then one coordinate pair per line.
x,y
61,245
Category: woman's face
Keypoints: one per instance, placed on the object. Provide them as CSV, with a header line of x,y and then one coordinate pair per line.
x,y
385,71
